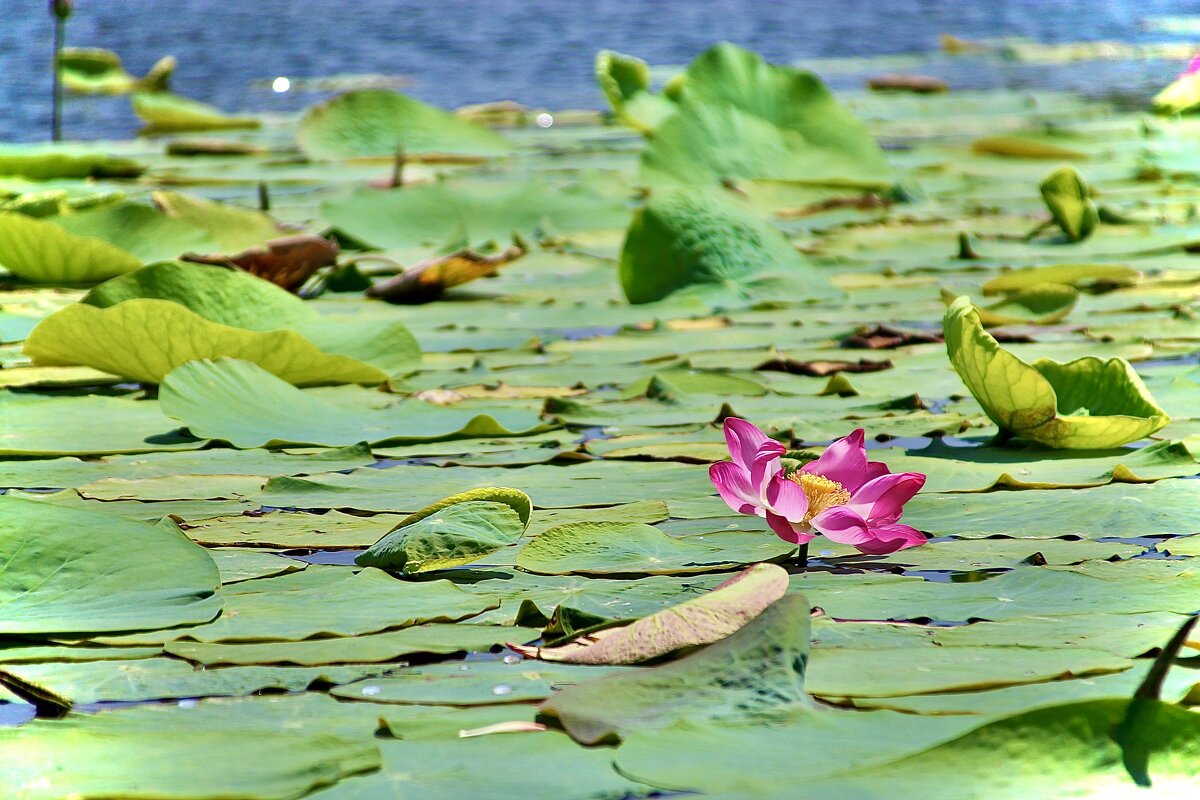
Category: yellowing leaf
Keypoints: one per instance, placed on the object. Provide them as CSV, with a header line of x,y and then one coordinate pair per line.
x,y
43,252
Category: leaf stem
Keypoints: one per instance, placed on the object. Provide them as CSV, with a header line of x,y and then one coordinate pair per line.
x,y
56,110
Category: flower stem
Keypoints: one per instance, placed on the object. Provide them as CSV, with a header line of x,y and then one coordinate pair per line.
x,y
801,558
56,109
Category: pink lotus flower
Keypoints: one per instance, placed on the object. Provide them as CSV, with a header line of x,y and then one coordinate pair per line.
x,y
841,495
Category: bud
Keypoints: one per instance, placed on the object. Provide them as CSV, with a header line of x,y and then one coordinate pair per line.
x,y
61,9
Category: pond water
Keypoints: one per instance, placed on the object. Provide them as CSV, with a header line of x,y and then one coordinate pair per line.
x,y
538,52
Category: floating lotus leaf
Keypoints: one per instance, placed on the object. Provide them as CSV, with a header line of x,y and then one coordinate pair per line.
x,y
1024,147
1070,203
231,227
705,245
613,548
247,406
1040,304
1083,404
377,122
1084,277
122,575
138,229
46,163
164,112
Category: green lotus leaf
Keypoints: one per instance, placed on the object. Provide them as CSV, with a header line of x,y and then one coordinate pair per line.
x,y
707,245
70,571
1086,404
47,163
470,215
1181,96
1085,277
164,112
231,227
375,122
88,70
742,118
244,404
625,81
1039,304
456,534
515,499
702,620
145,339
146,233
43,252
38,204
597,548
1070,203
756,672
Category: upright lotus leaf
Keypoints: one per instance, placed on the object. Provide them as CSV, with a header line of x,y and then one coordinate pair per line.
x,y
1085,277
700,621
244,404
146,233
72,571
625,81
471,214
1040,304
46,163
43,252
703,243
452,532
377,122
164,112
1086,404
742,118
90,70
231,227
754,674
1070,203
1181,96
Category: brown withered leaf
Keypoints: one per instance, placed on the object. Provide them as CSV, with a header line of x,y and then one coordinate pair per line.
x,y
287,262
885,337
427,280
896,82
822,369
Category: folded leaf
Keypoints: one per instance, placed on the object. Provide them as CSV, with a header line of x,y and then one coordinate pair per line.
x,y
164,112
1084,404
43,252
1070,203
625,81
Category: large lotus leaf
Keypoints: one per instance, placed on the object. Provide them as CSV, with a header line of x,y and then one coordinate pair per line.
x,y
233,228
68,571
151,756
164,112
757,672
457,534
1179,97
43,252
613,548
1083,404
146,339
138,229
700,621
470,215
376,122
88,70
436,638
33,426
742,118
48,163
1061,751
953,469
471,767
1081,276
1070,203
625,81
247,406
407,488
66,684
700,243
324,601
475,683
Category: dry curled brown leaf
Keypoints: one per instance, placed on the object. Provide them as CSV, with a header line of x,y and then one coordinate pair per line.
x,y
427,280
286,262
